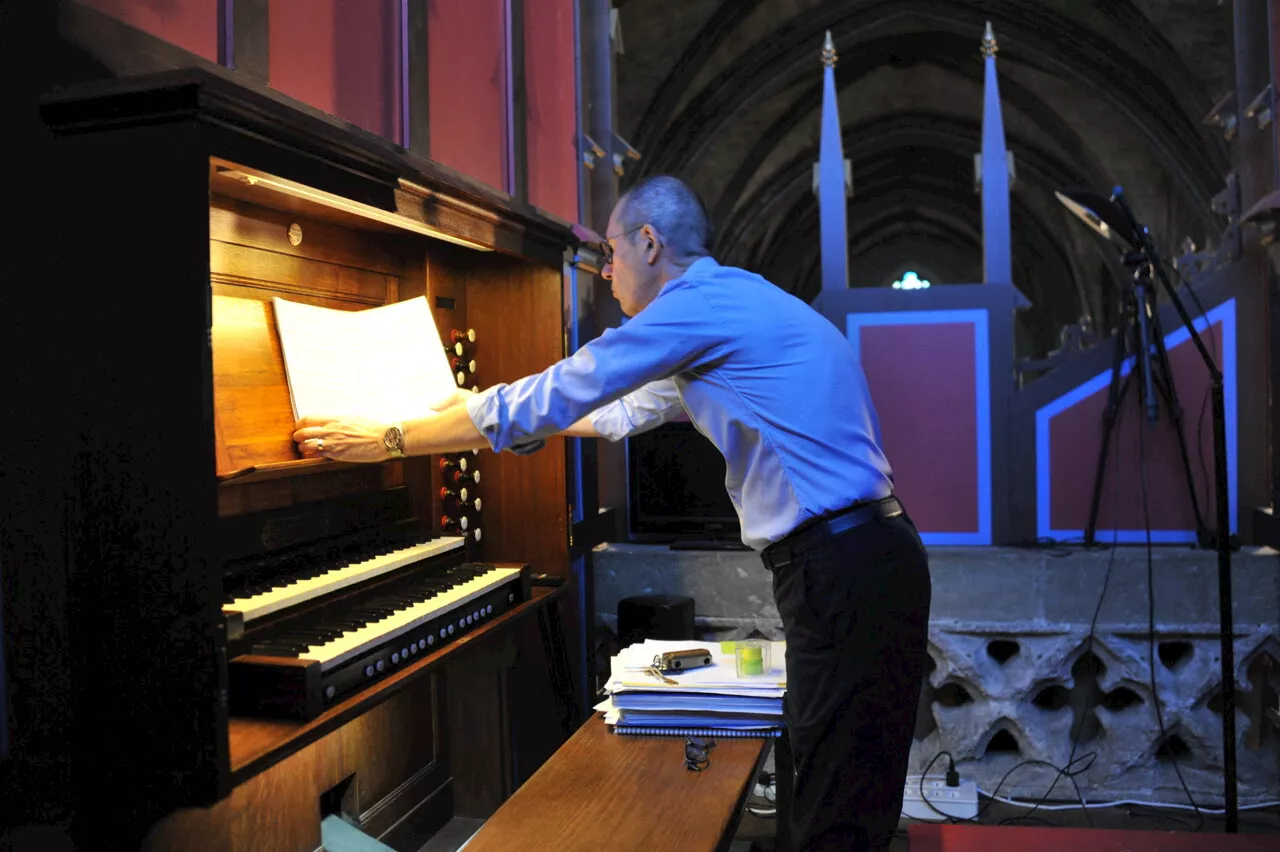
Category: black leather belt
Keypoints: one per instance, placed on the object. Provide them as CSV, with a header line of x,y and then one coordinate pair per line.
x,y
781,552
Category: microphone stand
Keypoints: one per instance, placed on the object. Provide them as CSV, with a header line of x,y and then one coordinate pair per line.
x,y
1222,536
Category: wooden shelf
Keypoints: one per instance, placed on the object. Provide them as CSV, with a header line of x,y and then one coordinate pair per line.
x,y
257,744
571,804
277,470
288,469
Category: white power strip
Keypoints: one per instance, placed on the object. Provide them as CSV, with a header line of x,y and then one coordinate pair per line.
x,y
959,802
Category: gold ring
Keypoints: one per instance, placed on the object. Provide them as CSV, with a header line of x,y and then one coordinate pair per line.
x,y
320,445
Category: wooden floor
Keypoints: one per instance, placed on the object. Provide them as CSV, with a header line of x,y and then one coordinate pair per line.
x,y
1141,830
991,838
1170,831
756,834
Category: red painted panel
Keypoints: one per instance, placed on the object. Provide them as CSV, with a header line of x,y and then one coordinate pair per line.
x,y
341,56
1075,438
923,385
1018,838
190,24
551,109
467,66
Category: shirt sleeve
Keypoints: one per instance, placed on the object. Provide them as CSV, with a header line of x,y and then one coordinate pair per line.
x,y
675,333
639,411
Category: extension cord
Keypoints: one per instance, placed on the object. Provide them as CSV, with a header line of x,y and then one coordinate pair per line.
x,y
959,802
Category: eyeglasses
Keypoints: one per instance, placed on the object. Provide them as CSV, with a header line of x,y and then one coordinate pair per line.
x,y
606,249
697,753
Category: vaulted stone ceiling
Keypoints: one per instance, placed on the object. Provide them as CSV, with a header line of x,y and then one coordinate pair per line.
x,y
727,94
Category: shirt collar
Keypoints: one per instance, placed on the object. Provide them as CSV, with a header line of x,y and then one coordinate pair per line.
x,y
700,267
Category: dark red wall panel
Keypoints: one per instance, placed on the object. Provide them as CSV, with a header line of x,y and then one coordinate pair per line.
x,y
467,67
1075,437
551,104
922,380
341,56
190,24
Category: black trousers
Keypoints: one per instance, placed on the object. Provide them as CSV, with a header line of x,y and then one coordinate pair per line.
x,y
855,614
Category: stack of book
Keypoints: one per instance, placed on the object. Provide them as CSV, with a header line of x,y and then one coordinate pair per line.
x,y
713,700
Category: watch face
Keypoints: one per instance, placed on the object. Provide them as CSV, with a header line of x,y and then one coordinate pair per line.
x,y
393,440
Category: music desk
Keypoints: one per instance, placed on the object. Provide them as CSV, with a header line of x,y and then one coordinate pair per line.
x,y
604,791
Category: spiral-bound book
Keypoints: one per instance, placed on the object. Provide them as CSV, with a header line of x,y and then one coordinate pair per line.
x,y
729,733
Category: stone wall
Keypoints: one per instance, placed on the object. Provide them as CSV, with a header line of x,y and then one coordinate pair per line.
x,y
1015,674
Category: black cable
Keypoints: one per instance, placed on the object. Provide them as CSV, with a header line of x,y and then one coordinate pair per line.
x,y
952,819
1093,630
769,810
1151,624
1151,813
1063,771
1097,610
1059,546
1204,402
1150,617
1066,771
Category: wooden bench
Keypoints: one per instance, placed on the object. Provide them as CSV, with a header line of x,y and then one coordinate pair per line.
x,y
602,790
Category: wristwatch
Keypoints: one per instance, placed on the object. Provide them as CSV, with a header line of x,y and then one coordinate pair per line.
x,y
393,441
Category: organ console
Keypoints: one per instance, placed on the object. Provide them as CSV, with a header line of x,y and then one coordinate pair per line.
x,y
260,638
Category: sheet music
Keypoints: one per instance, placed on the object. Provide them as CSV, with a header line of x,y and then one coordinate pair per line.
x,y
385,363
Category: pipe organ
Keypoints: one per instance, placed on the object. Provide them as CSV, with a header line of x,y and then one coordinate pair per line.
x,y
260,640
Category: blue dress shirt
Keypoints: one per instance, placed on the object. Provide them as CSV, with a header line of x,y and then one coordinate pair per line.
x,y
769,381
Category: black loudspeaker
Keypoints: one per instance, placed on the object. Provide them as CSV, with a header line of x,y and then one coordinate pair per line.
x,y
654,617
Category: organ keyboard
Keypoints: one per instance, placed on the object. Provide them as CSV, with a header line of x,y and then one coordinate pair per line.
x,y
313,616
303,664
245,608
394,617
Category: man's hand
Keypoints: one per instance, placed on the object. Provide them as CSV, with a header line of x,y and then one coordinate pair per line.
x,y
354,439
348,439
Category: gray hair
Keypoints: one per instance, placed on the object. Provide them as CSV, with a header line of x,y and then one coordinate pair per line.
x,y
673,209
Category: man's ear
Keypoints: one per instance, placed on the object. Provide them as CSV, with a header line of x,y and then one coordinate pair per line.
x,y
653,245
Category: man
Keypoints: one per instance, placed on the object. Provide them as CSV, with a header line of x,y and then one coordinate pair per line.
x,y
780,393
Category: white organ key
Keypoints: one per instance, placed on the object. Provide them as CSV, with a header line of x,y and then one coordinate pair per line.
x,y
256,606
356,641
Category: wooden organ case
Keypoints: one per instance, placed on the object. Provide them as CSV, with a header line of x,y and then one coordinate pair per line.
x,y
206,557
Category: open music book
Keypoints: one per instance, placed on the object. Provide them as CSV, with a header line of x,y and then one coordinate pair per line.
x,y
385,363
